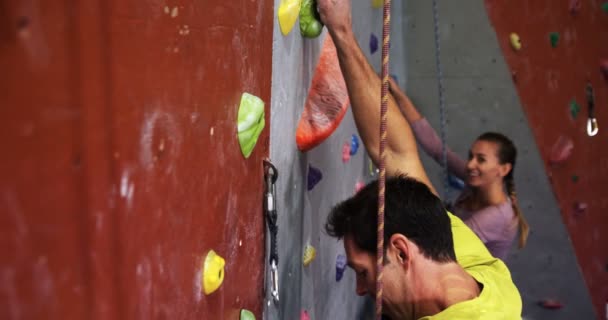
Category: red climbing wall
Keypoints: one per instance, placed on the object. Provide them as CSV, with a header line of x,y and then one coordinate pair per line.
x,y
548,79
120,167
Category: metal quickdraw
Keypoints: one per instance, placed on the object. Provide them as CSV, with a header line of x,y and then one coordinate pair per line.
x,y
270,176
592,126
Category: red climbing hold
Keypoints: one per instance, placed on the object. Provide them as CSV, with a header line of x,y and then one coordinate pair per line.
x,y
580,207
561,151
304,315
574,7
550,304
604,68
326,103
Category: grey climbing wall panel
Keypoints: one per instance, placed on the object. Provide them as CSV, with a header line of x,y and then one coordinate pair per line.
x,y
480,96
302,213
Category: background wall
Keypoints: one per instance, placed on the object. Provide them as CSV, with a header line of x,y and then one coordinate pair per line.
x,y
302,214
481,96
548,80
121,168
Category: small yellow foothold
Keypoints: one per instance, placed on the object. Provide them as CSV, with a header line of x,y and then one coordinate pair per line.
x,y
309,255
515,41
377,4
288,14
213,272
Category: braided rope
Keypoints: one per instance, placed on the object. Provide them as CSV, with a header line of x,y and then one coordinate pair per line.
x,y
442,110
382,181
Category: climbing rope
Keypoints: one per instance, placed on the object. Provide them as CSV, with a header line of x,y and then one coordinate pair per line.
x,y
442,110
382,181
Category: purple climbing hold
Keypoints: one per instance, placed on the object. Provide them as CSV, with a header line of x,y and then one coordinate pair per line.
x,y
354,144
314,176
373,43
340,266
455,182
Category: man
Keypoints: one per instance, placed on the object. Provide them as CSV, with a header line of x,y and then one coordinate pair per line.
x,y
436,268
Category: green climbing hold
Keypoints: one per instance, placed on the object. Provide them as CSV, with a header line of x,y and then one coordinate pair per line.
x,y
554,38
250,122
574,178
605,6
310,21
247,315
574,108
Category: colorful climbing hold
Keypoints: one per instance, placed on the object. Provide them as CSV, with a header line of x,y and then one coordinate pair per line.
x,y
340,266
561,150
310,21
358,186
304,315
373,43
309,255
455,182
605,6
354,144
574,6
288,14
250,122
515,41
314,176
580,207
394,76
550,304
326,103
213,272
604,68
574,178
346,152
247,315
575,108
554,39
377,4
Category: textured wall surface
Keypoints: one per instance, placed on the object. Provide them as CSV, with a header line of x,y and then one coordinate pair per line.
x,y
481,96
548,79
302,213
121,167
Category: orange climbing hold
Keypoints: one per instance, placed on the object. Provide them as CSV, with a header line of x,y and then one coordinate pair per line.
x,y
326,103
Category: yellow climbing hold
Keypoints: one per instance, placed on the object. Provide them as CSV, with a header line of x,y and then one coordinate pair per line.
x,y
288,14
377,4
213,272
515,41
309,255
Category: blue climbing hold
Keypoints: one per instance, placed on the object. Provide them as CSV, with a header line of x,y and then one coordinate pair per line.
x,y
354,145
340,266
394,76
314,176
455,182
373,43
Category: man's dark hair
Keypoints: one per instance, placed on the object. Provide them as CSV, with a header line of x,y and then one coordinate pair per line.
x,y
411,209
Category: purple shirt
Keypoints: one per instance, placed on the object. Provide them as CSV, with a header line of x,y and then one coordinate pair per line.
x,y
495,225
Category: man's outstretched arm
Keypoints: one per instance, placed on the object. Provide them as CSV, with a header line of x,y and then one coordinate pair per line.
x,y
364,89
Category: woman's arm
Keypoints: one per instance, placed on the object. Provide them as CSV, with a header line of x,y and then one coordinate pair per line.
x,y
425,134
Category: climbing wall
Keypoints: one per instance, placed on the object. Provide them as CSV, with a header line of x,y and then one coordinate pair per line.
x,y
313,289
121,167
481,96
562,47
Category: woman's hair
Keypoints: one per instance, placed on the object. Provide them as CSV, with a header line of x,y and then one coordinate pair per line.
x,y
507,153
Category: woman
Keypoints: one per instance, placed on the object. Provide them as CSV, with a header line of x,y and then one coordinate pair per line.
x,y
484,206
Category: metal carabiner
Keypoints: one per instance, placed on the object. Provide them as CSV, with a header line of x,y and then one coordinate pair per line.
x,y
592,126
274,275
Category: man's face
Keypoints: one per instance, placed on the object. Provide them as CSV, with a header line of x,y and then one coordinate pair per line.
x,y
364,265
396,294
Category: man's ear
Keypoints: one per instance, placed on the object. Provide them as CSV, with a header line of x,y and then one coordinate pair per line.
x,y
400,248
